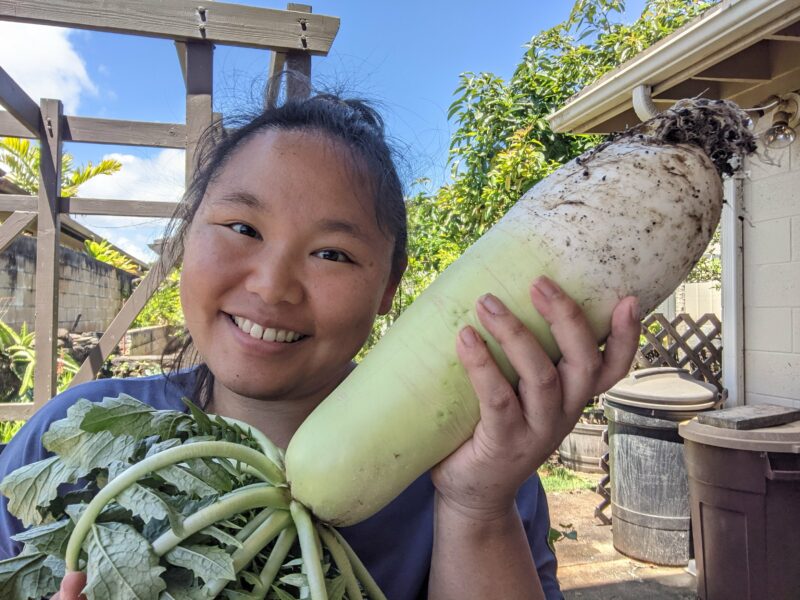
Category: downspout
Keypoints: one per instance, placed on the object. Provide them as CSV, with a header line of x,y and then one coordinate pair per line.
x,y
643,104
733,373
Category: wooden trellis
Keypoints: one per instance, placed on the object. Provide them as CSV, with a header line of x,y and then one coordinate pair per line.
x,y
695,346
293,35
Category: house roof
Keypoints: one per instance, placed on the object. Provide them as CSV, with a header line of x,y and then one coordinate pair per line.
x,y
741,50
73,234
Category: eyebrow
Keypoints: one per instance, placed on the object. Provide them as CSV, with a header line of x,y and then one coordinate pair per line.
x,y
346,227
243,198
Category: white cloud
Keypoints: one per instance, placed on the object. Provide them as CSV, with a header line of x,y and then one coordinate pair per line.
x,y
158,177
42,60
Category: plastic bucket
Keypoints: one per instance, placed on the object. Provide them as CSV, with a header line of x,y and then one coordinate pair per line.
x,y
649,485
745,504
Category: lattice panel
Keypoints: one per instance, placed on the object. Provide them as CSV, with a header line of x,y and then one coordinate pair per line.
x,y
695,346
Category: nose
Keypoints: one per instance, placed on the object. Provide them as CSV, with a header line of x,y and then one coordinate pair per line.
x,y
275,279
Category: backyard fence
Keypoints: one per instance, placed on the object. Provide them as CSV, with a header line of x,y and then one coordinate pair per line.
x,y
293,35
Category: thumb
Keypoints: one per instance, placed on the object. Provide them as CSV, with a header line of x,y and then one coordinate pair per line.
x,y
72,585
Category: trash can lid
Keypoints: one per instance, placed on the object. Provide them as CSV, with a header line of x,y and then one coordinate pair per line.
x,y
663,388
780,438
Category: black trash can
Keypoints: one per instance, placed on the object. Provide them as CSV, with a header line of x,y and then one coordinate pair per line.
x,y
649,486
745,500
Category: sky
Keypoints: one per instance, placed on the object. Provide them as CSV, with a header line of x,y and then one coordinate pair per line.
x,y
405,56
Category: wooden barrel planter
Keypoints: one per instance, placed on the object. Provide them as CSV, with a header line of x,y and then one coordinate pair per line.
x,y
583,448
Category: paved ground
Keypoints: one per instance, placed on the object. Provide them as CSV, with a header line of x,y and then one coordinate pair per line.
x,y
589,567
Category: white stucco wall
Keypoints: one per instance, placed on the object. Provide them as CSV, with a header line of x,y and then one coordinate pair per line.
x,y
771,263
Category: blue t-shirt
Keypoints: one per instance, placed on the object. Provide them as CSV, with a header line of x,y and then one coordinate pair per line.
x,y
395,544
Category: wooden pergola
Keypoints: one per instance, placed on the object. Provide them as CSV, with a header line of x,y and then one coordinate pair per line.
x,y
292,35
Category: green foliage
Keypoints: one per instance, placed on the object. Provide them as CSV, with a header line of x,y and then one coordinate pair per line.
x,y
8,429
709,267
18,362
23,157
104,252
503,144
164,307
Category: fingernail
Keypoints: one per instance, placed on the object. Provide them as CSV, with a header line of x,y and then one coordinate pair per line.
x,y
468,336
492,304
635,314
547,288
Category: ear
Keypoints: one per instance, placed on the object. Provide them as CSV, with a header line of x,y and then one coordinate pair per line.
x,y
391,287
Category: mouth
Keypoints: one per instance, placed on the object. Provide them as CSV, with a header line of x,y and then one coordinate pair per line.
x,y
268,334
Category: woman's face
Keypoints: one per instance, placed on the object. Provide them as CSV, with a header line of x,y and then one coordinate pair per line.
x,y
285,267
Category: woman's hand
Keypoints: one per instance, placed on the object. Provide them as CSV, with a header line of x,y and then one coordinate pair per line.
x,y
519,429
71,587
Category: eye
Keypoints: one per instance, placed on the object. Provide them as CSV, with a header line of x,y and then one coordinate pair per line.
x,y
334,255
244,229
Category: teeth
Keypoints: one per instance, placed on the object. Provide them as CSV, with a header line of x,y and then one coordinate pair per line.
x,y
268,334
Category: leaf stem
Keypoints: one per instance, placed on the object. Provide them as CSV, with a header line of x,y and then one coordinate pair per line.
x,y
263,535
268,447
256,521
154,463
279,552
247,498
342,562
309,546
373,591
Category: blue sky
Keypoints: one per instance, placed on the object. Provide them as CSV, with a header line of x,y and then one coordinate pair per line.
x,y
407,56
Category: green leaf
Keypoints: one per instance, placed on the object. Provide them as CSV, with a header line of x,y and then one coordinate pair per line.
x,y
206,562
212,473
223,538
186,482
281,594
124,415
149,504
297,580
86,450
35,485
49,539
121,564
26,576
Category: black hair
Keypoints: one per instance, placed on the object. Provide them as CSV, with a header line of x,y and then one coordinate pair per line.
x,y
353,122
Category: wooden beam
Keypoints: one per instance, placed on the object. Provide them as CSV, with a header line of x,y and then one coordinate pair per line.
x,y
121,208
277,61
119,326
47,243
17,411
10,127
21,106
749,65
13,226
787,34
298,63
688,89
199,89
18,202
184,20
124,133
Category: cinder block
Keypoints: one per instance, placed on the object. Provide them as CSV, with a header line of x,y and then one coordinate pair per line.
x,y
772,374
772,198
767,242
751,398
768,163
775,285
768,329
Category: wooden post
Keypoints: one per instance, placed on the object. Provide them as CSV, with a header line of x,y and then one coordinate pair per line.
x,y
199,61
47,241
298,62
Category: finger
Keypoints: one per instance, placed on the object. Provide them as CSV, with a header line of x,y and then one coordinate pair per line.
x,y
621,344
581,361
499,404
72,585
540,386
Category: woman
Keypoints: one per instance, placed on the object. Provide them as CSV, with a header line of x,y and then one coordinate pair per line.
x,y
293,238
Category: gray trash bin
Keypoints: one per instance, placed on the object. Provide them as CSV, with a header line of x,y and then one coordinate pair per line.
x,y
649,486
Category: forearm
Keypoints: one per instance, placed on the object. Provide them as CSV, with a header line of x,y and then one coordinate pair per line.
x,y
480,557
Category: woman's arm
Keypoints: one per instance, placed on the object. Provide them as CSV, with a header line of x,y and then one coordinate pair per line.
x,y
480,546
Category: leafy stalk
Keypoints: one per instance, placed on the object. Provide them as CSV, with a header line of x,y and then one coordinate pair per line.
x,y
253,496
154,463
309,545
372,589
342,562
279,552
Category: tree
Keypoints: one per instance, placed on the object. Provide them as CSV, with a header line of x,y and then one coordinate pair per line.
x,y
503,144
22,159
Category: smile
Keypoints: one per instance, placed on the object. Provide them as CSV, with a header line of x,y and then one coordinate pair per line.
x,y
268,334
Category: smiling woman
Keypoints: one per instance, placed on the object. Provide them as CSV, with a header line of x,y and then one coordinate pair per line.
x,y
293,239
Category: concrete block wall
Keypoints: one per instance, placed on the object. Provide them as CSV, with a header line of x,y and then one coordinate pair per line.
x,y
771,246
88,288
